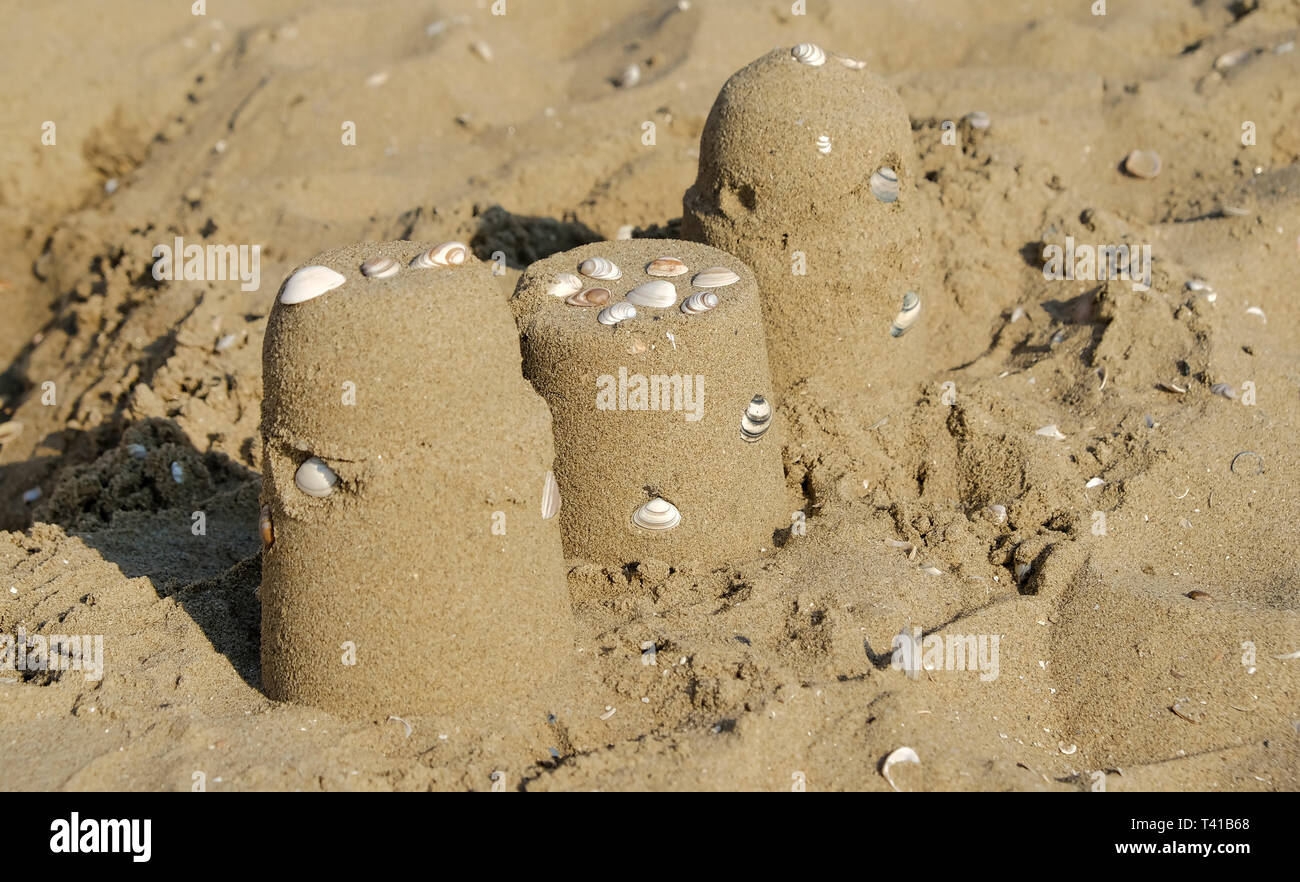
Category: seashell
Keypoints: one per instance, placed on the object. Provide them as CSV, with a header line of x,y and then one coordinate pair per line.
x,y
1142,164
1198,595
380,268
715,277
1093,482
1255,310
136,451
931,570
756,419
1231,59
666,267
590,297
810,54
615,313
1068,751
310,282
550,497
1198,285
178,474
996,513
1022,570
978,119
315,478
446,254
902,755
1050,431
629,77
907,316
10,430
850,63
564,284
265,527
1224,389
700,301
658,514
625,232
600,268
1170,387
481,49
823,144
659,294
884,184
30,496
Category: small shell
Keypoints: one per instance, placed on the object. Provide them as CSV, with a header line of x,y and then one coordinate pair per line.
x,y
446,254
715,277
1066,750
379,268
1199,595
630,76
756,419
1231,59
266,528
550,497
657,514
310,282
1094,482
996,513
850,63
658,294
315,478
978,119
178,474
902,755
1198,285
700,301
30,496
884,184
564,284
600,268
590,297
1170,387
1225,390
10,430
1255,310
809,53
823,144
1022,570
1050,431
1142,164
136,451
907,316
666,267
615,313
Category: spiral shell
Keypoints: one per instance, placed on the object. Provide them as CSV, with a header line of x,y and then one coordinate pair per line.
x,y
550,497
446,254
809,53
884,184
756,419
564,284
907,316
315,478
700,301
658,294
666,267
309,283
379,268
266,528
600,268
823,144
658,515
715,277
615,313
590,297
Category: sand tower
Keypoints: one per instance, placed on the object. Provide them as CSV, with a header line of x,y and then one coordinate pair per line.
x,y
650,353
411,561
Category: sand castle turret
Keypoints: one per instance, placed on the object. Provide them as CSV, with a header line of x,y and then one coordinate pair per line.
x,y
650,353
412,561
807,174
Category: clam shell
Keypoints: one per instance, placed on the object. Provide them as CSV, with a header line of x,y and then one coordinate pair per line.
x,y
1143,164
600,268
823,144
379,268
265,527
658,294
700,301
615,313
136,451
756,419
658,514
550,497
564,284
590,297
902,755
715,277
850,63
907,316
666,267
178,473
310,282
884,184
809,53
445,254
315,478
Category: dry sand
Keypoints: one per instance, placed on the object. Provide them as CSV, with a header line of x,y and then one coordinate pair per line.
x,y
227,129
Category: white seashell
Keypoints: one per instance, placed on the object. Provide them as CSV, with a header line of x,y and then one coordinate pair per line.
x,y
1017,314
1143,164
659,294
1231,59
902,755
931,570
625,231
756,419
615,313
1022,570
136,451
907,316
1050,431
178,474
700,301
809,53
850,63
600,268
379,268
666,267
564,284
315,478
657,514
884,184
446,254
1198,285
1255,310
550,497
996,513
32,495
481,49
978,119
1068,751
630,76
310,282
715,277
1093,482
823,144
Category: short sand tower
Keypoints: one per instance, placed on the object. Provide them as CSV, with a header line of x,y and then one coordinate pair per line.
x,y
411,558
650,353
807,174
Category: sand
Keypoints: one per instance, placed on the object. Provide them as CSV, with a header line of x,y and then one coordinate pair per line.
x,y
767,673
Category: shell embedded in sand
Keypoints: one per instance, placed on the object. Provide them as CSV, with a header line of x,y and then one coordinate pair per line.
x,y
658,294
379,268
884,184
850,63
657,514
1143,164
629,77
666,267
823,144
590,297
445,254
136,451
978,119
310,282
265,527
618,312
700,301
715,277
315,478
600,268
550,497
564,284
756,419
178,474
901,755
907,316
809,53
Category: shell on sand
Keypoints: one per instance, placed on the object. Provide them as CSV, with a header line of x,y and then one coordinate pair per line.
x,y
1143,164
309,283
379,268
901,755
715,277
550,497
600,268
315,478
564,284
824,144
445,254
266,528
884,184
907,316
665,267
658,514
756,419
700,301
658,294
590,297
810,54
618,312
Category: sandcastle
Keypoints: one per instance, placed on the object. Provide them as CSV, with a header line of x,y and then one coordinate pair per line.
x,y
807,174
412,561
650,353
